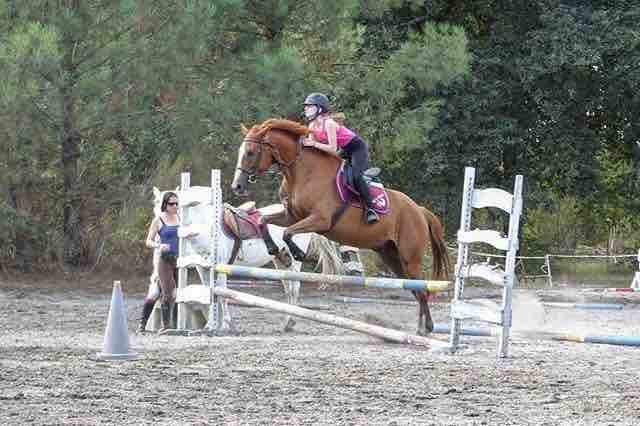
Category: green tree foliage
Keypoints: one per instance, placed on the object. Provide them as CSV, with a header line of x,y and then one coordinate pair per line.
x,y
76,96
102,98
545,99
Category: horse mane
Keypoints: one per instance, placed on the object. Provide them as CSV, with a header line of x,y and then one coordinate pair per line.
x,y
289,126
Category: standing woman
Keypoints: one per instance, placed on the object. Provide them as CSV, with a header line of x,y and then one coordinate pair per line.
x,y
166,226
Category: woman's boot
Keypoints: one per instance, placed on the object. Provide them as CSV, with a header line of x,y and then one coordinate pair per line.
x,y
371,216
174,315
165,317
147,309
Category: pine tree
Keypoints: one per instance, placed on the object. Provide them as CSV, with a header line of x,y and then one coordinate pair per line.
x,y
80,78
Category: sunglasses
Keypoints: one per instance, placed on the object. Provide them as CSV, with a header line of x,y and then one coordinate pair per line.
x,y
172,204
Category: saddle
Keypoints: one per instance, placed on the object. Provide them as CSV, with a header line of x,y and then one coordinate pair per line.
x,y
245,223
242,222
348,193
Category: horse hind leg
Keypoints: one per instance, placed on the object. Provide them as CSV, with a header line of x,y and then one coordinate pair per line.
x,y
425,322
393,259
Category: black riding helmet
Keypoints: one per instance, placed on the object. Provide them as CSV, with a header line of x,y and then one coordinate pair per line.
x,y
320,100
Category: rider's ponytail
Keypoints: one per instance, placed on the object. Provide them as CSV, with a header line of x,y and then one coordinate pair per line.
x,y
338,117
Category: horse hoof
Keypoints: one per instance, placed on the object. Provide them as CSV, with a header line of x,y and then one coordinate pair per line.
x,y
354,269
284,258
430,328
424,332
288,327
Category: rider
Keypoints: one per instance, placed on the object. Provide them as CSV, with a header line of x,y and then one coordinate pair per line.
x,y
329,136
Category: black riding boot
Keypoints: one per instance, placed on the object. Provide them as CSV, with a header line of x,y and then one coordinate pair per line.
x,y
371,216
174,315
165,316
147,309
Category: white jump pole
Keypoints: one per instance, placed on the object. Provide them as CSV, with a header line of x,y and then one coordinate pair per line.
x,y
373,330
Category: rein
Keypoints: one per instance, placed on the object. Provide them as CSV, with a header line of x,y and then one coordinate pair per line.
x,y
276,155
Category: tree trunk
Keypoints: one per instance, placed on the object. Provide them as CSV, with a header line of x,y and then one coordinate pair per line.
x,y
71,138
70,154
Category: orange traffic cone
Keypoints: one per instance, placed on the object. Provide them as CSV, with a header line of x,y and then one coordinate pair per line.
x,y
116,335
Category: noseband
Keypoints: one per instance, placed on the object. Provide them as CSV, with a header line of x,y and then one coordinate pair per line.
x,y
264,141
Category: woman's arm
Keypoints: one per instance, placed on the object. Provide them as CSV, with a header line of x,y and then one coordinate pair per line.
x,y
332,133
331,147
325,148
151,235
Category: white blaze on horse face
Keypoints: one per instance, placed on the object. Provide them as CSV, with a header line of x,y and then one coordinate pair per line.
x,y
241,153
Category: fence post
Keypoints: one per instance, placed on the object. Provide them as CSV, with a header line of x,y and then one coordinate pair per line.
x,y
547,265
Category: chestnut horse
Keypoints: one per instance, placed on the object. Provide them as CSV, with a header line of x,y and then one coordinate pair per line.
x,y
309,192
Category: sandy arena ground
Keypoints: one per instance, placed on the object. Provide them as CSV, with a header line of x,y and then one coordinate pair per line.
x,y
315,375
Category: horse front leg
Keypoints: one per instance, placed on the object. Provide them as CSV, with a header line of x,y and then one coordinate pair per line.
x,y
291,290
311,223
272,248
279,218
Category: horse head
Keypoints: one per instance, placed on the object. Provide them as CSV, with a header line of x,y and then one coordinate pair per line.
x,y
274,142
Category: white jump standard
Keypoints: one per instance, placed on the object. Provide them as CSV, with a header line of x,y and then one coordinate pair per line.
x,y
462,308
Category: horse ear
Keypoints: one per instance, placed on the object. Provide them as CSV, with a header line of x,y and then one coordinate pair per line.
x,y
243,129
177,189
156,192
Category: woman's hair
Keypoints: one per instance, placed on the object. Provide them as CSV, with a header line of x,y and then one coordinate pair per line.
x,y
165,200
338,117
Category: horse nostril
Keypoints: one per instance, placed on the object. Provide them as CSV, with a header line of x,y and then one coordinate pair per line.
x,y
239,190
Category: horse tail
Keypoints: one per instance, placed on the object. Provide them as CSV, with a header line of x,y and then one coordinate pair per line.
x,y
326,253
440,256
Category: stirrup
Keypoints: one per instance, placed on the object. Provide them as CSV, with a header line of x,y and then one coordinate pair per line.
x,y
372,217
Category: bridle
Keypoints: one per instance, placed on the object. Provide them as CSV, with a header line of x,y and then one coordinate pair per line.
x,y
275,152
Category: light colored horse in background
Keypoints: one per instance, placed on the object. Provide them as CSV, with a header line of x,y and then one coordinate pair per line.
x,y
252,252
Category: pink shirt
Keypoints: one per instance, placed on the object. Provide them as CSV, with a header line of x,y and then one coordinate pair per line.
x,y
343,135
